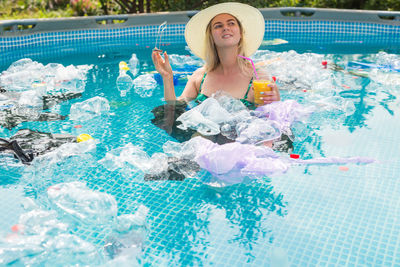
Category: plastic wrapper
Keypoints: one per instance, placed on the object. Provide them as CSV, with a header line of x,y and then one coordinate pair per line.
x,y
89,109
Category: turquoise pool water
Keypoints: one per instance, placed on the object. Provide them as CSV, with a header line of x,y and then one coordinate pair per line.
x,y
74,209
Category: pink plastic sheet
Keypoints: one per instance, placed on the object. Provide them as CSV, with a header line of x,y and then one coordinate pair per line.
x,y
285,112
233,162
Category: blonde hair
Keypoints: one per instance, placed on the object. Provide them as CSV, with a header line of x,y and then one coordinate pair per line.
x,y
211,55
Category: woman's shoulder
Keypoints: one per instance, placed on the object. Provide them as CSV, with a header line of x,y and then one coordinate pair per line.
x,y
199,72
192,87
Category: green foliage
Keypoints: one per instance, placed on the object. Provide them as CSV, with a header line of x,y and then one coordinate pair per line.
x,y
84,7
173,5
17,9
23,9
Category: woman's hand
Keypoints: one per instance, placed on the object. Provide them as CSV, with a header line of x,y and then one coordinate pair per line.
x,y
162,66
271,96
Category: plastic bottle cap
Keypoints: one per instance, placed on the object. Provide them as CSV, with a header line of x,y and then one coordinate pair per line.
x,y
52,187
123,66
294,156
324,63
343,168
35,85
83,138
16,228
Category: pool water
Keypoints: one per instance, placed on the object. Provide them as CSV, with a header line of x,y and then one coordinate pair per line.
x,y
75,209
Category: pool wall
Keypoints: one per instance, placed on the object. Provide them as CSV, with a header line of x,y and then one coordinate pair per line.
x,y
309,26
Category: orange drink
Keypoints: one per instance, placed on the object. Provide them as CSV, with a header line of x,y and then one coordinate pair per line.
x,y
259,87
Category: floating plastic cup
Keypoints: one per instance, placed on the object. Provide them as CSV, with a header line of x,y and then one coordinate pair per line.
x,y
83,138
260,83
260,86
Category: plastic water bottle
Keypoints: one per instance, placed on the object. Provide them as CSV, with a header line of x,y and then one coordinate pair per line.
x,y
124,81
134,65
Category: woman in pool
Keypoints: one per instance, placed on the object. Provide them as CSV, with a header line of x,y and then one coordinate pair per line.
x,y
218,35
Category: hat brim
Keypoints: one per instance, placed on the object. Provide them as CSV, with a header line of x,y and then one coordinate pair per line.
x,y
251,19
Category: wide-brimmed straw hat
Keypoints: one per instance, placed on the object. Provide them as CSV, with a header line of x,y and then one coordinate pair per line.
x,y
251,19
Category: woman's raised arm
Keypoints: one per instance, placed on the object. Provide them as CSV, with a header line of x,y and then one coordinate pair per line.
x,y
164,68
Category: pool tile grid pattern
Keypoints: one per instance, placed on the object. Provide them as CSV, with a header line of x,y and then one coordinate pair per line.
x,y
295,32
325,32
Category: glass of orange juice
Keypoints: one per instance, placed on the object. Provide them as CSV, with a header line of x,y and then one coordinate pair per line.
x,y
261,85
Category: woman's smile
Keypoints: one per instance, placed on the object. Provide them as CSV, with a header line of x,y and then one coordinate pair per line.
x,y
226,36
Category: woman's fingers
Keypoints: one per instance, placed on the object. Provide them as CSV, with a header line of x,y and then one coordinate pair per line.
x,y
277,93
166,58
161,64
157,60
270,96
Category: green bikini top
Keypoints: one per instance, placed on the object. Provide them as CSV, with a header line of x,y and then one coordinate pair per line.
x,y
201,97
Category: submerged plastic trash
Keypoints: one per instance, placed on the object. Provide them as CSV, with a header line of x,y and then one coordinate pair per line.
x,y
30,99
128,237
257,131
41,235
50,101
185,63
274,42
343,168
12,114
83,138
236,162
17,228
18,107
66,151
79,203
205,118
157,167
368,65
27,144
144,85
335,160
134,65
124,81
335,103
124,244
285,113
236,157
26,74
89,109
223,114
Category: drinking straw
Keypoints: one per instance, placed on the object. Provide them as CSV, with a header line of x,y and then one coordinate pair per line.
x,y
252,63
161,29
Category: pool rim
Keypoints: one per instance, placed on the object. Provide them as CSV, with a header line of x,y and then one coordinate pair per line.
x,y
15,28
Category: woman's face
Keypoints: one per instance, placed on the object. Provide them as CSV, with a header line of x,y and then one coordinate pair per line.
x,y
225,30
